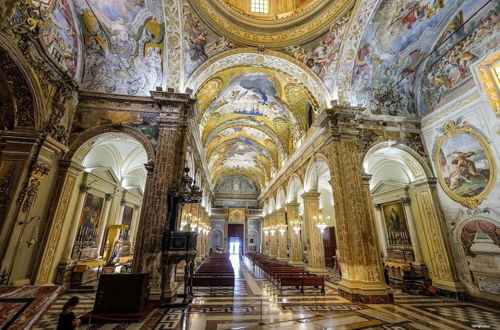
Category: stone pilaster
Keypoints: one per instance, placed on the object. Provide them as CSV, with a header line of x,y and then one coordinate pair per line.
x,y
412,229
292,210
382,233
315,252
166,172
441,266
362,272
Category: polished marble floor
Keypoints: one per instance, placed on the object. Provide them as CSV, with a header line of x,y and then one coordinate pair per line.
x,y
256,303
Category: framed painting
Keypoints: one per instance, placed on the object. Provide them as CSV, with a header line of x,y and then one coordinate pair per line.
x,y
464,163
395,223
89,220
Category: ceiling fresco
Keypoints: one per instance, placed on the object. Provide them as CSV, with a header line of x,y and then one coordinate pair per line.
x,y
469,36
59,34
321,55
123,45
401,34
251,119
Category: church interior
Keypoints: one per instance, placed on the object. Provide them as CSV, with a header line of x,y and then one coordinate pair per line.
x,y
249,164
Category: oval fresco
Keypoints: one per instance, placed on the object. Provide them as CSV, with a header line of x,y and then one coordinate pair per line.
x,y
465,164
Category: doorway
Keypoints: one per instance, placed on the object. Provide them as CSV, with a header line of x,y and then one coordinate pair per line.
x,y
235,246
235,233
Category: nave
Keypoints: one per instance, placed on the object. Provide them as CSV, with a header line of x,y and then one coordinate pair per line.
x,y
256,303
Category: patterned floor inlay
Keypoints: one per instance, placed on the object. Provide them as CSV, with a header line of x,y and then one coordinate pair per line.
x,y
256,303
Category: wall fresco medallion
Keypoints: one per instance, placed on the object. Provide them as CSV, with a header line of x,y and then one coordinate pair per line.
x,y
465,164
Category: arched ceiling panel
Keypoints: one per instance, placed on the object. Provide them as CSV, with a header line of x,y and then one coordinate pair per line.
x,y
250,119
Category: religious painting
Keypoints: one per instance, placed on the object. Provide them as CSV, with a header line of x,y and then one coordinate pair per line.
x,y
464,163
89,221
126,10
59,34
200,42
468,37
129,59
128,212
322,57
390,51
396,225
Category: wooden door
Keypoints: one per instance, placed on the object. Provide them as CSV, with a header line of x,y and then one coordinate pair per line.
x,y
330,245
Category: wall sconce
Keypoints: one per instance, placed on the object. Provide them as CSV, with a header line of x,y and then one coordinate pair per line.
x,y
272,231
321,227
296,229
282,230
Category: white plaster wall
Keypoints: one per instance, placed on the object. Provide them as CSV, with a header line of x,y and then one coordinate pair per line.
x,y
473,107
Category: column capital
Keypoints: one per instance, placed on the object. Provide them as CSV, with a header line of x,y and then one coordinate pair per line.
x,y
70,166
292,205
342,121
366,178
310,195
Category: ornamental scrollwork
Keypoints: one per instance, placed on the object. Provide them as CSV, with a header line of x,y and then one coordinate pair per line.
x,y
28,194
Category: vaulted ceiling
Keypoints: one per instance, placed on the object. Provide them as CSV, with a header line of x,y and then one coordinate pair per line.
x,y
250,119
395,57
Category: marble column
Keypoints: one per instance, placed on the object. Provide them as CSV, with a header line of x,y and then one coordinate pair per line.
x,y
441,267
382,233
361,264
412,230
166,172
292,210
315,252
282,235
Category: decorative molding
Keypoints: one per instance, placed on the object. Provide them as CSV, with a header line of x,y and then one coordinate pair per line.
x,y
29,191
451,129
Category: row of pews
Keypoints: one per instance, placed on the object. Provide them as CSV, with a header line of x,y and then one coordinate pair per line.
x,y
286,276
215,271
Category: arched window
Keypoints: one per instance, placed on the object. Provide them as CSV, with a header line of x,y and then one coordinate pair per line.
x,y
260,6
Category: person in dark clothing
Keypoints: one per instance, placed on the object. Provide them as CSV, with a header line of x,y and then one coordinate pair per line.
x,y
67,319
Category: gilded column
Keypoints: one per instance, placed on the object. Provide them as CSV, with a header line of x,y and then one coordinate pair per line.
x,y
441,267
292,211
273,236
166,173
282,235
266,247
316,251
362,272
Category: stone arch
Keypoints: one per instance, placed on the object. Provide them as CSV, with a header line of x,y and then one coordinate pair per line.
x,y
414,165
271,205
280,198
24,87
272,59
294,188
214,242
82,143
314,169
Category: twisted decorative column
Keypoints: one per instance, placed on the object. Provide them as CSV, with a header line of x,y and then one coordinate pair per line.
x,y
316,251
292,211
362,273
